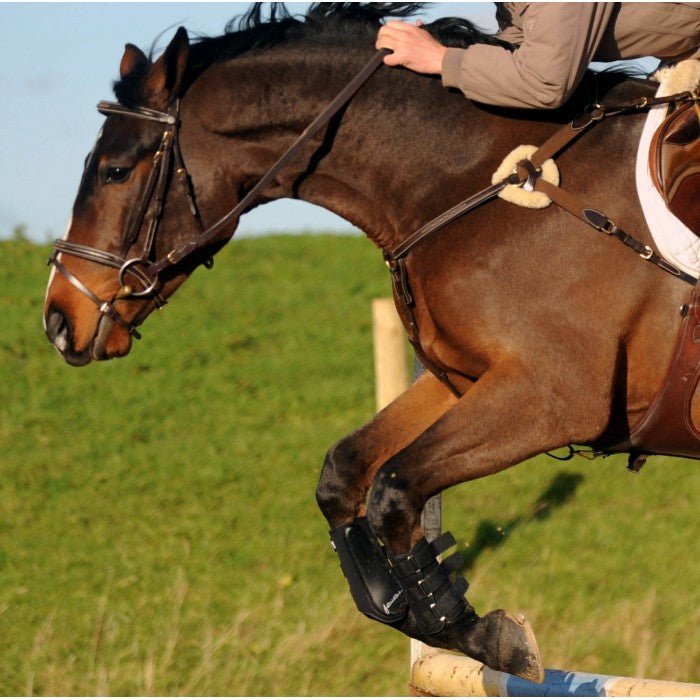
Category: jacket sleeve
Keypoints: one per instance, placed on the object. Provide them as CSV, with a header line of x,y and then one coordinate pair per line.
x,y
559,42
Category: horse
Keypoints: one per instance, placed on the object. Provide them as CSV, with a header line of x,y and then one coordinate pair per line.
x,y
545,333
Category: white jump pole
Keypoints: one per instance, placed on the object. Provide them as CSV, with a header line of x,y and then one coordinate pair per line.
x,y
441,674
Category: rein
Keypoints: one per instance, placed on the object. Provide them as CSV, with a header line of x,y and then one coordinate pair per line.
x,y
146,271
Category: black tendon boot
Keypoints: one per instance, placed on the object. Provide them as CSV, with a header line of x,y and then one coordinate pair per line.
x,y
445,619
373,585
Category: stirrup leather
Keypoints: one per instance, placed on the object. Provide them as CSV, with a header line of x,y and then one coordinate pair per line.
x,y
435,600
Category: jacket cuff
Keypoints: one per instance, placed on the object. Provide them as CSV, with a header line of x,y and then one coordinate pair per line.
x,y
452,67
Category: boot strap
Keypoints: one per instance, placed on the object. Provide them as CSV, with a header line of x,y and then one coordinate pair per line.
x,y
434,598
422,555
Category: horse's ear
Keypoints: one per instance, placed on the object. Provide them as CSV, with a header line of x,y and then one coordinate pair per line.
x,y
132,60
165,78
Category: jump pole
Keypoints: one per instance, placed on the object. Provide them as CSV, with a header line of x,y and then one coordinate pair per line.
x,y
436,673
440,674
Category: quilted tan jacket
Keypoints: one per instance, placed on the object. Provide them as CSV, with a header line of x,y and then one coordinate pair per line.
x,y
557,41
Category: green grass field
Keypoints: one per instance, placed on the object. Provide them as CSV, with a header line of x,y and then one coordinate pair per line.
x,y
158,527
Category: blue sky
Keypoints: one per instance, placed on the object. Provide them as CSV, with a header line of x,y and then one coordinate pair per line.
x,y
58,60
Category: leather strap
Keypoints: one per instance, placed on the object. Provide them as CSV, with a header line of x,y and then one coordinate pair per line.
x,y
599,221
214,231
153,199
105,307
102,257
406,303
152,115
445,218
556,143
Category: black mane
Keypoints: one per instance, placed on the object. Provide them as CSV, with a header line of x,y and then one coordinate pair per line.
x,y
339,23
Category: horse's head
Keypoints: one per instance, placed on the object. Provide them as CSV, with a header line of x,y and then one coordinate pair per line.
x,y
111,269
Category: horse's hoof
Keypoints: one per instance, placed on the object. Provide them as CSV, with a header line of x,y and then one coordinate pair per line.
x,y
507,643
499,640
520,649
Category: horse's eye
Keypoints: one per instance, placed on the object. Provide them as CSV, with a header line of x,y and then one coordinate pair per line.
x,y
116,174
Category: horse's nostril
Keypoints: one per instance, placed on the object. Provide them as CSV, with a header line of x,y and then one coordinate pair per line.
x,y
54,322
58,329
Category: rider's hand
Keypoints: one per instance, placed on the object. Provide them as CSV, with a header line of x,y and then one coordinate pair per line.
x,y
413,47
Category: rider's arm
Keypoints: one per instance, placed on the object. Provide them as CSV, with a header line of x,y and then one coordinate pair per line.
x,y
559,41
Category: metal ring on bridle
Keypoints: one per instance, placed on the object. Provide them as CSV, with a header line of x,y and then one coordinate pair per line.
x,y
125,268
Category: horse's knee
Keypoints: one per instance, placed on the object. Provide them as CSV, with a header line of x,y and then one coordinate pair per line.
x,y
337,492
392,510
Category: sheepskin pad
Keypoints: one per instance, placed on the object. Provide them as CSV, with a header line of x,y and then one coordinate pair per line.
x,y
517,195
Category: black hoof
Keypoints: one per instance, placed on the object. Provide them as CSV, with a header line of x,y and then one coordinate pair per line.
x,y
499,640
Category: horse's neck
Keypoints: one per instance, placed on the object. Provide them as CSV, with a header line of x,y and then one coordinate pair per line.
x,y
401,134
403,151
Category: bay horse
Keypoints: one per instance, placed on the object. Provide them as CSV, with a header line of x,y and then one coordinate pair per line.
x,y
548,333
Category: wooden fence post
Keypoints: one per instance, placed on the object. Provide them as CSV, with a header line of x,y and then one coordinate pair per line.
x,y
391,379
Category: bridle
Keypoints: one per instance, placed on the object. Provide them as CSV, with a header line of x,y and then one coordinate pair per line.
x,y
150,209
143,268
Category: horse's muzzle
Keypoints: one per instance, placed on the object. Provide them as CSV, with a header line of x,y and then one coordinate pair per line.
x,y
60,332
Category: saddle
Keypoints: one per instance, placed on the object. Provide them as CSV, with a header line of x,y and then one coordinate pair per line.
x,y
674,164
667,428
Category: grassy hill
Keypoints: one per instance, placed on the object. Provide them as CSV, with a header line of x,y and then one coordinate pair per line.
x,y
158,528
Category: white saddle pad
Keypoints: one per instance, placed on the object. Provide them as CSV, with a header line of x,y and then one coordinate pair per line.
x,y
674,240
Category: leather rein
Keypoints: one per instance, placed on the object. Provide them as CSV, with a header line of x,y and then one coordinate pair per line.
x,y
146,270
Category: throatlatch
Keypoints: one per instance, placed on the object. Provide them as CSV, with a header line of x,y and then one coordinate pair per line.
x,y
435,600
374,588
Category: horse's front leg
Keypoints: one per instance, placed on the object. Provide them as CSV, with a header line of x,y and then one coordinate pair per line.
x,y
348,472
509,415
351,464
